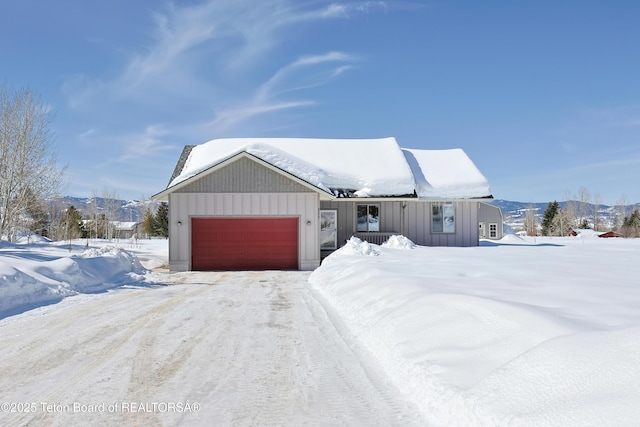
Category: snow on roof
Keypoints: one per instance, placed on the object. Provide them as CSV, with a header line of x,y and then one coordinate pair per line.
x,y
446,174
351,167
124,225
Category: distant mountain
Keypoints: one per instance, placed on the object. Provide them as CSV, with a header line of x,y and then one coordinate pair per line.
x,y
124,210
514,213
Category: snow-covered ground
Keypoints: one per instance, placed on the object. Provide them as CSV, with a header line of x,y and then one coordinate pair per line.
x,y
518,332
35,271
515,332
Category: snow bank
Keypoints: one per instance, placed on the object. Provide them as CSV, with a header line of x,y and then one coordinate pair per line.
x,y
33,275
533,334
355,246
399,242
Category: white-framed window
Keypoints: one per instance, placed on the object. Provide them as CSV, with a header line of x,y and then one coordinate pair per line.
x,y
443,218
328,229
367,218
493,231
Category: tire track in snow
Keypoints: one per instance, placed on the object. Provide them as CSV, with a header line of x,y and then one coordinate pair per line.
x,y
20,349
117,339
255,349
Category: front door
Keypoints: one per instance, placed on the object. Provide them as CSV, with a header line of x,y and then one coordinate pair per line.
x,y
328,229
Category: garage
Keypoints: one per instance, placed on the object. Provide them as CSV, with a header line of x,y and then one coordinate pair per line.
x,y
249,243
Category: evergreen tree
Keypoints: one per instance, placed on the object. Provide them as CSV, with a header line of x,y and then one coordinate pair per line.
x,y
149,223
39,218
548,227
162,220
73,223
631,225
584,224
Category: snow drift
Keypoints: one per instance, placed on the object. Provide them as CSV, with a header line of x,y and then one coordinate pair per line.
x,y
56,273
513,333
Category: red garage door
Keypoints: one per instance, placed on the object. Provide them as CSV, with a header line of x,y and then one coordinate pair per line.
x,y
244,243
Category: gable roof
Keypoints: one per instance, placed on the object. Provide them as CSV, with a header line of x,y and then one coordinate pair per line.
x,y
347,167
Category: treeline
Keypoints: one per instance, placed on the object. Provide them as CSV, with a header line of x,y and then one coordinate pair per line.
x,y
157,225
582,210
559,222
67,223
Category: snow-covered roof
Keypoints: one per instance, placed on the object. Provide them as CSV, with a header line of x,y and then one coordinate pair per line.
x,y
446,174
350,167
124,225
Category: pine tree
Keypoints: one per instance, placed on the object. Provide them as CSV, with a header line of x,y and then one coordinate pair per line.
x,y
39,218
149,223
73,223
162,220
550,213
631,225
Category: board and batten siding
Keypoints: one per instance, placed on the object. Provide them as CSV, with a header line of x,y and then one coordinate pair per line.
x,y
244,176
184,206
390,216
418,224
243,188
490,214
411,219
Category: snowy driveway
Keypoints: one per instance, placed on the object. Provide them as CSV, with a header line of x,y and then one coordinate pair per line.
x,y
254,348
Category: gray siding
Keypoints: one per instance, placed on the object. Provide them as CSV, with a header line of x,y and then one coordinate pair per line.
x,y
183,207
418,225
411,219
244,176
390,217
489,214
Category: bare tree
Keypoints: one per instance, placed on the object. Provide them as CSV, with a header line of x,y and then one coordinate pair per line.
x,y
92,213
531,220
567,219
584,198
621,210
597,201
28,165
110,209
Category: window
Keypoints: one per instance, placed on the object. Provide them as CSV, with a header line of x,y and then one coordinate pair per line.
x,y
493,231
368,218
443,218
328,229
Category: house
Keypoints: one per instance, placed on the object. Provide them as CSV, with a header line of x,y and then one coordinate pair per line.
x,y
490,222
268,203
126,229
610,234
582,232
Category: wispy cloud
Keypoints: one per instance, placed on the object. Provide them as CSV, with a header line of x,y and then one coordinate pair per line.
x,y
190,45
149,143
212,67
287,79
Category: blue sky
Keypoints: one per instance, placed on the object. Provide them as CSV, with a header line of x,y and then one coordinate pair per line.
x,y
544,96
